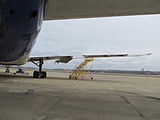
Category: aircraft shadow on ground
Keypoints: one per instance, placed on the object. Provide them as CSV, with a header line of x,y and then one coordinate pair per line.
x,y
4,77
87,80
9,76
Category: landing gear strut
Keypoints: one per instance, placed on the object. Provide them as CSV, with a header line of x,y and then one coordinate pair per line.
x,y
40,73
7,69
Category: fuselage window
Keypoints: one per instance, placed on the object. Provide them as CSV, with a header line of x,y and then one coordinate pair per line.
x,y
33,13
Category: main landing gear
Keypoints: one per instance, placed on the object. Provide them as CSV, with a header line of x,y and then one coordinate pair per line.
x,y
40,73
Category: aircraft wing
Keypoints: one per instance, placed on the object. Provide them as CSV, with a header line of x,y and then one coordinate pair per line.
x,y
69,9
66,59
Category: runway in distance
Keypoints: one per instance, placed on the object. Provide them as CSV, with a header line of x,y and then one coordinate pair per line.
x,y
21,20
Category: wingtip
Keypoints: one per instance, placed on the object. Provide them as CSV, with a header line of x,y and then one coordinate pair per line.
x,y
149,54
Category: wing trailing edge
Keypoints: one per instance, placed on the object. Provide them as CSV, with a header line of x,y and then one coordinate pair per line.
x,y
66,59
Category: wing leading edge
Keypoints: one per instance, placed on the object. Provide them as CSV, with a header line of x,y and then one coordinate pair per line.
x,y
70,9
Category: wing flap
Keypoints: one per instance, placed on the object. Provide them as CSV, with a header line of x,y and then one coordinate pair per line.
x,y
69,9
62,59
100,56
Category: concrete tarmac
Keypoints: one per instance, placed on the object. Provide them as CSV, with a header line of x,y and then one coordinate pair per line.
x,y
107,97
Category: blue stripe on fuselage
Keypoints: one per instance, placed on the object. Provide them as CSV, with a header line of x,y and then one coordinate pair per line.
x,y
19,20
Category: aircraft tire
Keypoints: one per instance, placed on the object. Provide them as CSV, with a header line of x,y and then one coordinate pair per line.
x,y
36,74
43,74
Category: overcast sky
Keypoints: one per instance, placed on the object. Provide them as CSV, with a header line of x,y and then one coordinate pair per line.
x,y
132,35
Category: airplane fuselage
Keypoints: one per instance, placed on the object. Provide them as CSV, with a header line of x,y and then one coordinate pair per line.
x,y
20,24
